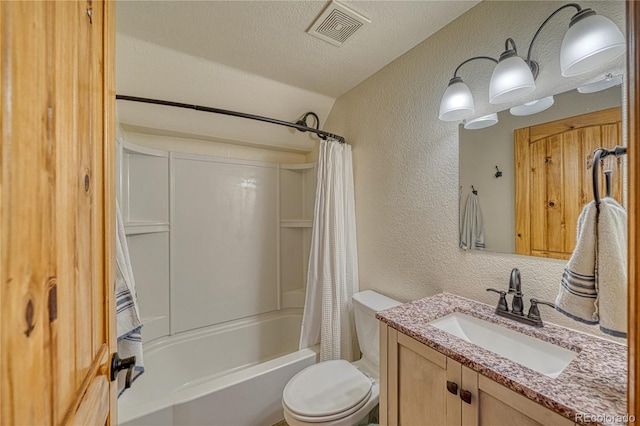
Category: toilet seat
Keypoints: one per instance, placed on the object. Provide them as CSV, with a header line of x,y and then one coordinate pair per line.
x,y
326,391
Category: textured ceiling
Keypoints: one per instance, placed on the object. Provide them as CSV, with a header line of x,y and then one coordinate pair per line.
x,y
268,38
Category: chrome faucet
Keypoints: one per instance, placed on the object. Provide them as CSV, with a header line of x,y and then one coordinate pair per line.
x,y
516,312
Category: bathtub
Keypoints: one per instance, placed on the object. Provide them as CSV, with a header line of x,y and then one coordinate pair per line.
x,y
230,374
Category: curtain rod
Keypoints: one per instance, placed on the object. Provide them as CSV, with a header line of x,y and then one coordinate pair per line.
x,y
299,127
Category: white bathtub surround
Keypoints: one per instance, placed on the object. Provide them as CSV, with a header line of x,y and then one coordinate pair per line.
x,y
127,312
333,265
229,374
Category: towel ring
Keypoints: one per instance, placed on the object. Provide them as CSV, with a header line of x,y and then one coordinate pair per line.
x,y
598,155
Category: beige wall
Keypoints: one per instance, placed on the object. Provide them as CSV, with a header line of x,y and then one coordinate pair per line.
x,y
406,160
481,150
148,70
208,147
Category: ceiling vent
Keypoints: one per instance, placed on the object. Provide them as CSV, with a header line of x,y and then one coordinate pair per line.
x,y
337,23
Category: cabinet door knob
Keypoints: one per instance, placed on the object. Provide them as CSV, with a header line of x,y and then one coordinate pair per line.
x,y
465,395
452,387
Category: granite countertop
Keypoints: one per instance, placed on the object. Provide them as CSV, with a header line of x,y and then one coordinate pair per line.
x,y
595,382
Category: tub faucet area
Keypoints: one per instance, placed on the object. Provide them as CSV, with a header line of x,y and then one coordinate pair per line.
x,y
516,313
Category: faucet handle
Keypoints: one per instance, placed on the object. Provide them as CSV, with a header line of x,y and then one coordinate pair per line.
x,y
502,303
534,312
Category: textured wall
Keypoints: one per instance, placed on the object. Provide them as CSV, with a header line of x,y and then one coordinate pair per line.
x,y
406,160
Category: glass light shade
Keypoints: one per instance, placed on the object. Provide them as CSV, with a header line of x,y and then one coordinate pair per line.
x,y
482,122
605,83
511,79
457,102
532,107
589,43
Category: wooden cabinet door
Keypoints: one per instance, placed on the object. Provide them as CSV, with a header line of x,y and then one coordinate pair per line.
x,y
554,178
413,383
56,212
500,406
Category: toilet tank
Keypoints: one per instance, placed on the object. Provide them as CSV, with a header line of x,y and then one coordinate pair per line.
x,y
365,306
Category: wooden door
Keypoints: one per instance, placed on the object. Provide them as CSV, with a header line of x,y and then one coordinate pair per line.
x,y
554,178
633,138
56,212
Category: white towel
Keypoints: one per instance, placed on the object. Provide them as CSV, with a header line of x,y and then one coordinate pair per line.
x,y
611,272
577,294
127,314
593,288
472,234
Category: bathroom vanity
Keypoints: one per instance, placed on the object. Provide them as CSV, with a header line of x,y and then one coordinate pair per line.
x,y
429,376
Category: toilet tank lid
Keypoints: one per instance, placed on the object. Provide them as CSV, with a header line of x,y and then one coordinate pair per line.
x,y
374,302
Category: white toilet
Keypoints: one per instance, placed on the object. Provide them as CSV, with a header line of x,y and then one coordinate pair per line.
x,y
340,393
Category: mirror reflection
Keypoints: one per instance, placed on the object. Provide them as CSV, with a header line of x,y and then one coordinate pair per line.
x,y
532,174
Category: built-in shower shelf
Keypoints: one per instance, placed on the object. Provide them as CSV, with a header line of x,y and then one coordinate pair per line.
x,y
134,228
293,298
298,166
296,223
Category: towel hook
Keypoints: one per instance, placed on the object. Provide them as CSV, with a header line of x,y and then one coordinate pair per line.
x,y
475,191
498,172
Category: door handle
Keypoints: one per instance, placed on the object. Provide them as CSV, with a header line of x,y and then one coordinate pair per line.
x,y
452,387
118,365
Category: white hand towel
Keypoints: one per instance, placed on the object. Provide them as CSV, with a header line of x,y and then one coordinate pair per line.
x,y
577,294
127,314
472,234
611,273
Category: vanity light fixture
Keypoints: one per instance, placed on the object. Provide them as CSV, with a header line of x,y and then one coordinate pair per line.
x,y
591,41
457,101
608,81
481,122
532,107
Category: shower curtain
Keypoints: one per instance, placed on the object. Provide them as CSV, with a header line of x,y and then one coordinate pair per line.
x,y
333,265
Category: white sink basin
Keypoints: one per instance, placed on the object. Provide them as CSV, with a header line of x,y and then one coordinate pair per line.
x,y
538,355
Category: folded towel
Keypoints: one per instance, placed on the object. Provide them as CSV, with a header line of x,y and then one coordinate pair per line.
x,y
611,272
127,313
472,234
577,294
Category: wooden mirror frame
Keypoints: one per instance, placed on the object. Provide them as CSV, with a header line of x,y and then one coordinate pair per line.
x,y
633,136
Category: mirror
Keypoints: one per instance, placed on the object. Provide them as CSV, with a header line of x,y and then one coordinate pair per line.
x,y
483,149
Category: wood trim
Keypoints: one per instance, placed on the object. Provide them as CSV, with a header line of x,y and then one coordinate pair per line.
x,y
109,173
607,116
633,137
522,167
470,415
101,356
423,350
384,373
521,403
95,405
454,374
392,391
